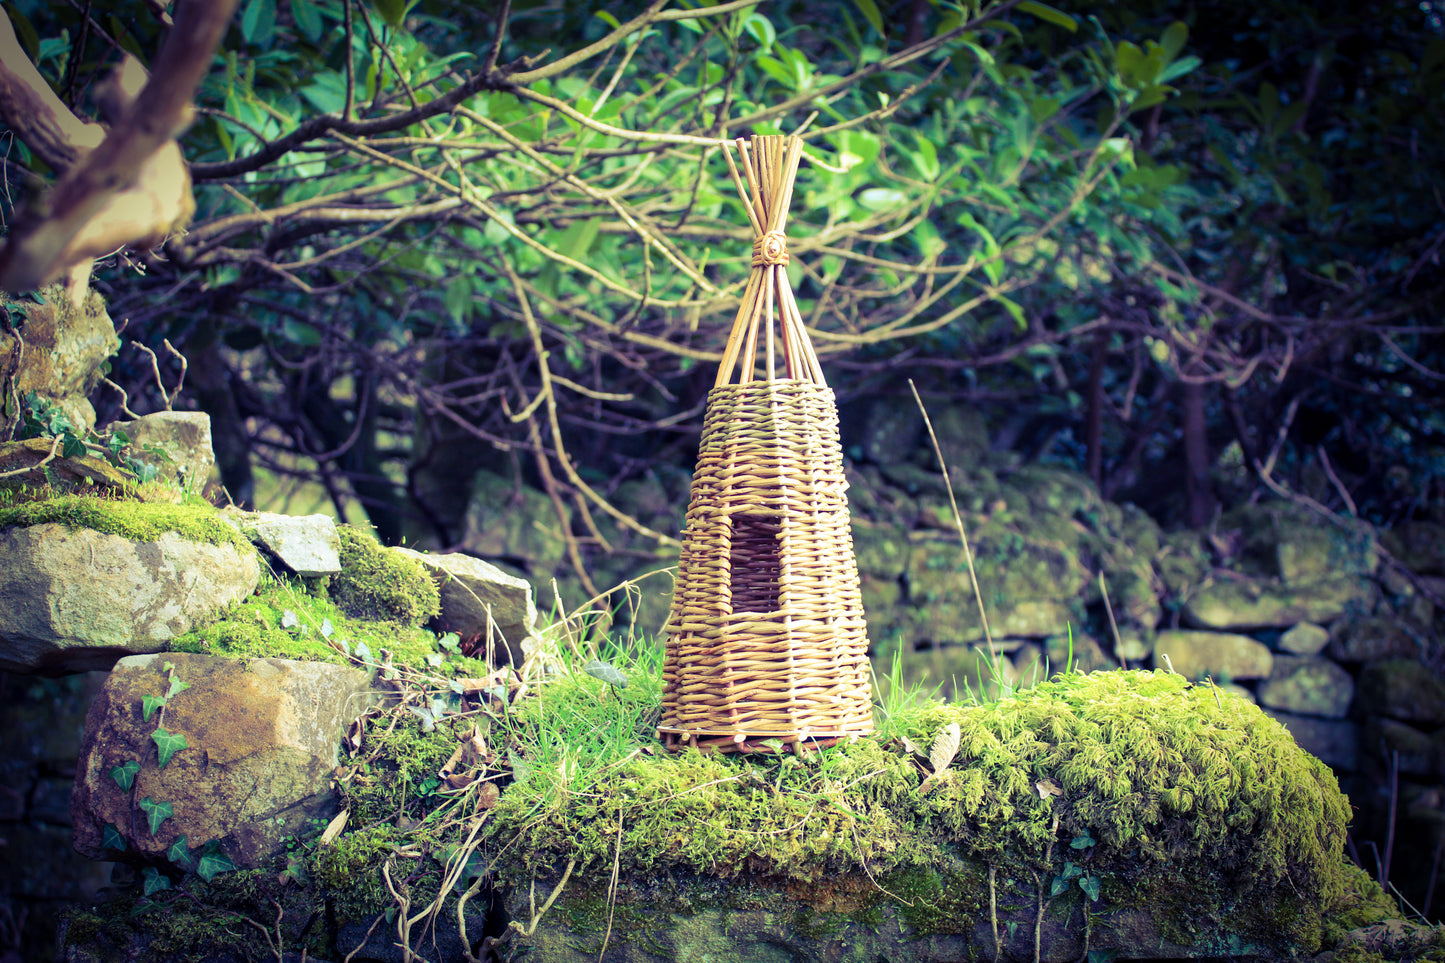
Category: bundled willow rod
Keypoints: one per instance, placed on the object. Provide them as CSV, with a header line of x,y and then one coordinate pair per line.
x,y
766,644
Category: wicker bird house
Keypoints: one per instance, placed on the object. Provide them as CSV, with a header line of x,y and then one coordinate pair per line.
x,y
766,644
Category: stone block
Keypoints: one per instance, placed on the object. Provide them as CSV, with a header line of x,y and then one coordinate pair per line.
x,y
77,600
1219,655
1308,685
261,738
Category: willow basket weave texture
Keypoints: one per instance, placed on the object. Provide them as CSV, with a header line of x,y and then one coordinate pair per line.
x,y
767,646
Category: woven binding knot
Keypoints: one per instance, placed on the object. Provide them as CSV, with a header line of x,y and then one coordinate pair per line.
x,y
771,248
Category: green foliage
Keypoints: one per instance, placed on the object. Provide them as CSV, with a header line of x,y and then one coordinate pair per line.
x,y
156,812
212,863
42,418
167,745
124,774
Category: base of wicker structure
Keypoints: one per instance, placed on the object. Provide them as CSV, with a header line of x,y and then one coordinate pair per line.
x,y
677,741
767,645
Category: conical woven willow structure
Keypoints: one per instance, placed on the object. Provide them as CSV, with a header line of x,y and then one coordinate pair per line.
x,y
767,646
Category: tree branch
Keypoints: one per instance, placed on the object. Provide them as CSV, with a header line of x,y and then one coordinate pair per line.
x,y
133,188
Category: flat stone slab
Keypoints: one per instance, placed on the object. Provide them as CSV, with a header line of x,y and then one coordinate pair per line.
x,y
77,600
306,544
1247,603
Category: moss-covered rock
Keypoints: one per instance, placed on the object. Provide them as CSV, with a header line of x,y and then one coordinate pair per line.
x,y
1180,802
127,518
381,585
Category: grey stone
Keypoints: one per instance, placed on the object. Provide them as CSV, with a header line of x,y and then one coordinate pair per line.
x,y
1241,691
1335,742
1219,655
1418,545
1133,643
881,549
1372,639
1079,650
307,544
513,521
1308,685
476,596
73,601
962,435
183,439
261,740
1299,546
891,430
1030,666
1402,689
1418,754
66,343
1237,603
1305,638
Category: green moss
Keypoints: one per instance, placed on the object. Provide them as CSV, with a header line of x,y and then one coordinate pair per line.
x,y
139,521
259,627
350,869
407,757
381,585
1186,791
1362,903
1201,810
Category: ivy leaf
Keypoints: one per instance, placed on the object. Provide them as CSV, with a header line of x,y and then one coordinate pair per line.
x,y
326,628
124,774
1058,885
155,881
1082,842
607,672
1090,885
177,686
289,620
361,652
112,838
168,744
156,812
149,705
213,864
180,852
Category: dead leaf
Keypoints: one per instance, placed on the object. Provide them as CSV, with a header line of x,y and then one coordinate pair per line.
x,y
488,795
1047,787
334,828
945,747
456,780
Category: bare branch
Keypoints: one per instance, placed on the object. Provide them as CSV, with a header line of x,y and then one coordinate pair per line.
x,y
133,188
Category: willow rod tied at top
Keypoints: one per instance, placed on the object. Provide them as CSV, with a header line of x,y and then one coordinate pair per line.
x,y
770,168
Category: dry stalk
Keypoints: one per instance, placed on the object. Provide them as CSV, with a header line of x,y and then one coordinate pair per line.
x,y
957,521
